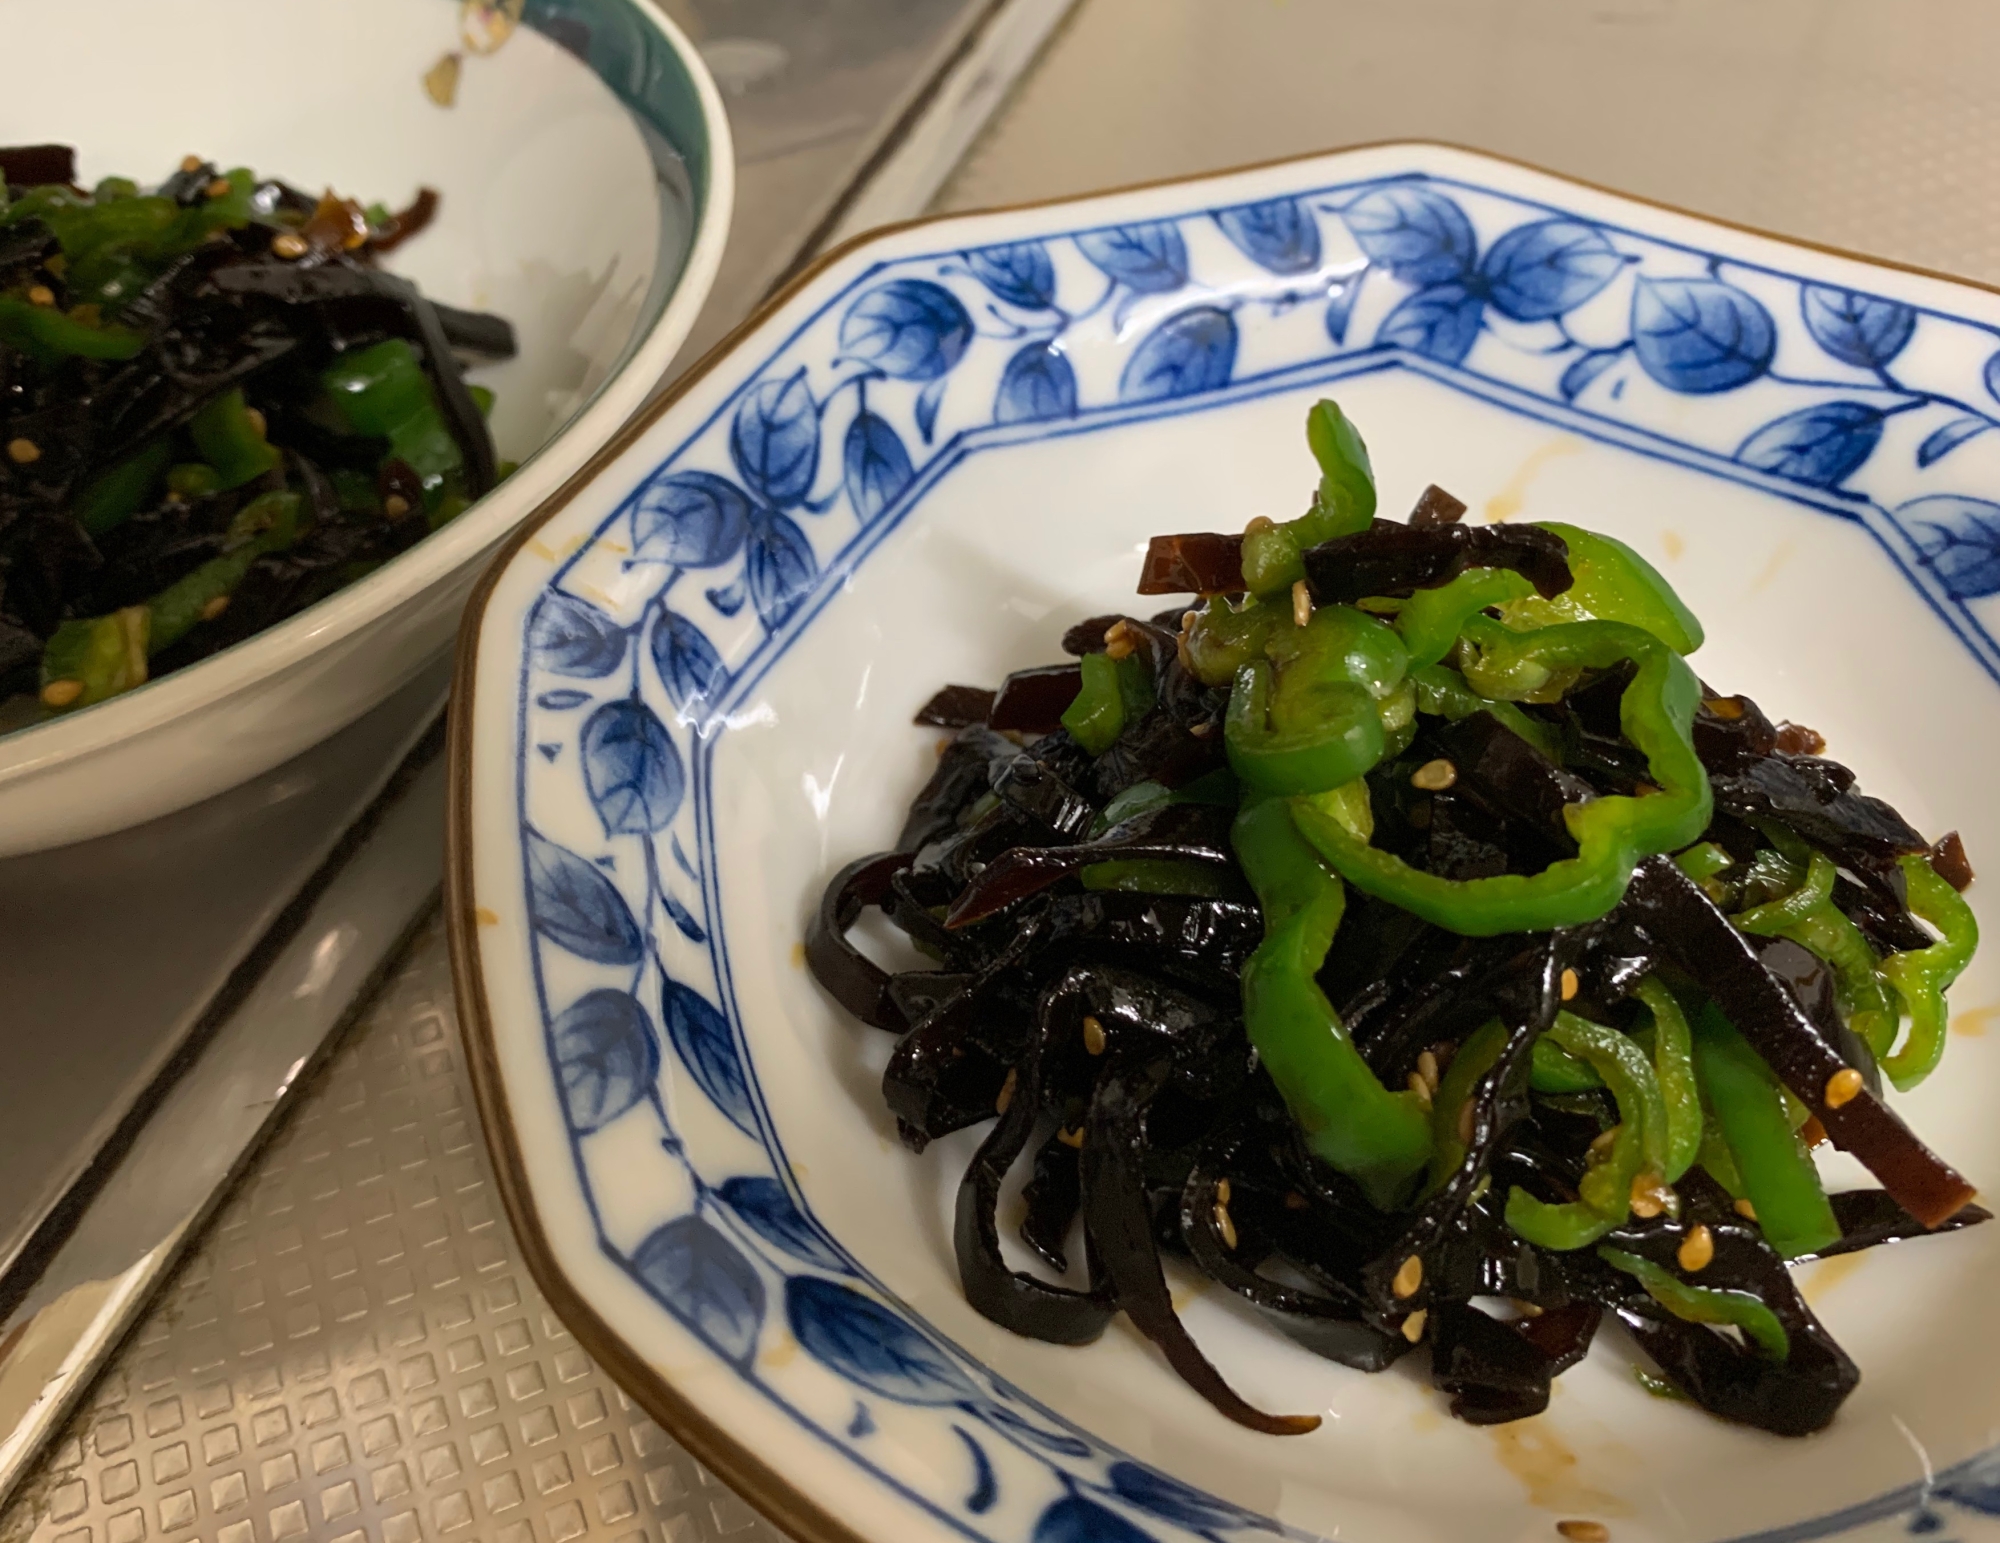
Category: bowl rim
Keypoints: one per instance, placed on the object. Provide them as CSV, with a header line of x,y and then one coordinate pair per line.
x,y
41,747
783,1502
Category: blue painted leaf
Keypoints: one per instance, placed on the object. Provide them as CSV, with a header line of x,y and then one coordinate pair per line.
x,y
909,328
775,441
681,858
769,1212
985,1489
1541,270
682,918
562,701
575,906
693,519
549,749
870,1346
608,1058
1822,446
1861,330
689,667
1074,1519
1993,376
1170,1500
863,1423
1959,538
1441,323
1038,383
1192,350
1021,273
703,1279
779,567
1150,258
1974,1485
700,1037
1577,378
928,401
1279,235
1940,443
631,768
878,467
1340,300
1417,233
1700,335
572,638
728,598
1055,1441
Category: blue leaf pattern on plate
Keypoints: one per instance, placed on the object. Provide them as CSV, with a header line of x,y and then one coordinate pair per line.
x,y
1191,351
1279,235
1992,376
1539,271
1700,335
1415,232
1020,273
606,1055
779,566
688,666
1074,1519
1441,323
1959,538
985,1489
682,918
1340,300
768,1211
1048,1440
877,467
1577,378
728,598
1170,1500
703,1279
871,1346
1941,442
631,768
911,329
701,1038
775,441
1860,330
692,519
575,906
562,701
928,401
1820,445
570,637
1037,383
1150,258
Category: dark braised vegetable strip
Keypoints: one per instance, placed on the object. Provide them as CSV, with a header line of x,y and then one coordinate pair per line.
x,y
1192,833
1393,559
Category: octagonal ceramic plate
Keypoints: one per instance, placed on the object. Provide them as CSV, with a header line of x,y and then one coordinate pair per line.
x,y
685,700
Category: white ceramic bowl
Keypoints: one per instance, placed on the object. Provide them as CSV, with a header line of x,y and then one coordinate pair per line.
x,y
587,177
770,574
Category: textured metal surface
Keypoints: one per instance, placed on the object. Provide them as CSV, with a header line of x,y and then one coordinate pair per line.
x,y
355,1351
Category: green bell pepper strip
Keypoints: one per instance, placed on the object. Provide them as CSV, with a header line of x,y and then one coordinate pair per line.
x,y
1380,1139
1552,1069
1809,918
1774,1165
106,654
231,440
1673,1068
115,494
1431,619
1443,693
1717,1160
1705,1304
47,335
1703,860
1920,976
1344,503
382,391
1612,834
1115,691
1319,724
1638,1147
1157,876
1226,637
1609,582
1474,1060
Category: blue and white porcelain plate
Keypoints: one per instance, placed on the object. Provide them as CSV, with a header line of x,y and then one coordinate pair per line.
x,y
685,700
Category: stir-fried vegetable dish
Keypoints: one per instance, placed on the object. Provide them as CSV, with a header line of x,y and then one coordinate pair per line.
x,y
215,409
1407,940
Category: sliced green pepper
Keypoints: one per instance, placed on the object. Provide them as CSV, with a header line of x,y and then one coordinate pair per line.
x,y
1775,1167
1157,876
1443,693
1703,860
1609,582
1380,1139
1673,1067
382,391
1320,723
231,439
1920,976
114,495
1474,1060
1612,834
45,334
1552,1069
1344,503
1809,918
1431,619
1705,1304
1115,692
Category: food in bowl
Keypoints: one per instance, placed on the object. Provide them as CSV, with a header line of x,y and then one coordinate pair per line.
x,y
215,409
1407,940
